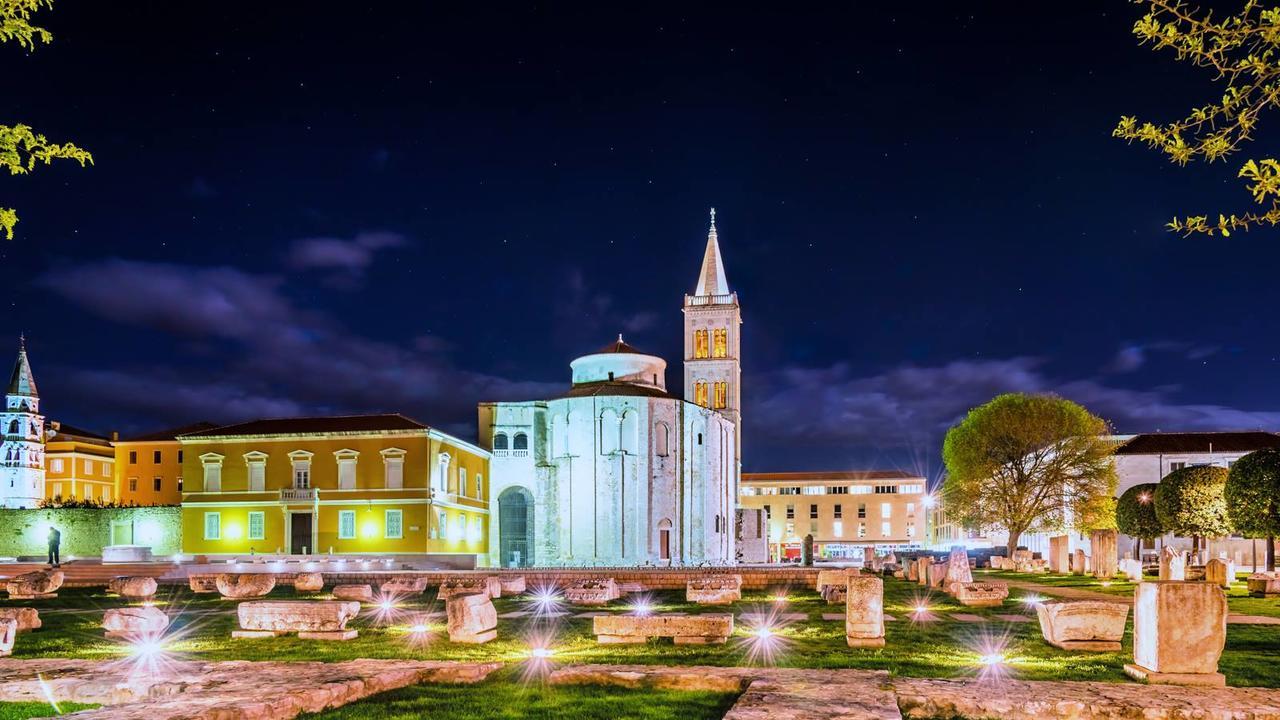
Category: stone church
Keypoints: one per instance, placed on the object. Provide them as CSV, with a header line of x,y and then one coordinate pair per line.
x,y
618,470
22,442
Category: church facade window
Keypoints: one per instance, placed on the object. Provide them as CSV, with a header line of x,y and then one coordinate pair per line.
x,y
701,348
662,439
630,432
700,393
520,442
720,346
500,441
721,396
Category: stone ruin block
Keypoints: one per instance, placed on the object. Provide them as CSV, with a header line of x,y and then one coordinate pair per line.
x,y
1104,545
1220,572
714,589
704,629
467,585
35,585
1087,625
981,594
1263,583
864,612
203,583
834,577
238,586
1060,554
308,582
1173,565
957,569
471,618
835,594
135,622
1079,562
1132,569
26,618
404,586
910,571
310,619
358,593
937,574
922,569
8,634
511,585
596,591
133,587
1179,631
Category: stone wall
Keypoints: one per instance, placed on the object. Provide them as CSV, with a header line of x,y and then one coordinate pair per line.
x,y
85,531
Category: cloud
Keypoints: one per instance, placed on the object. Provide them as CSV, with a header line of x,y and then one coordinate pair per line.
x,y
1133,356
281,359
1127,359
346,260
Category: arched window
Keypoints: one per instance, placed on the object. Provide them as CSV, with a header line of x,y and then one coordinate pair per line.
x,y
500,441
8,455
13,427
700,345
720,343
608,432
699,438
700,393
35,429
662,439
631,432
520,442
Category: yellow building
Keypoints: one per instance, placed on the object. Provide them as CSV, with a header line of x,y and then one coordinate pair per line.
x,y
375,484
843,511
78,464
148,468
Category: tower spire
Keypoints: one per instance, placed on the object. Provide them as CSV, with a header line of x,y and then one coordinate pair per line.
x,y
22,382
712,280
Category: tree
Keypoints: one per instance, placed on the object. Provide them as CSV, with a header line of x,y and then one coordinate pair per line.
x,y
1243,48
1025,462
1189,502
1136,513
21,148
1252,495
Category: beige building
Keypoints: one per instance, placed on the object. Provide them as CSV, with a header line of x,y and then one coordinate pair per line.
x,y
844,511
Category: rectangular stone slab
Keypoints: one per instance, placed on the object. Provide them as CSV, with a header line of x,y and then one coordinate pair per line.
x,y
297,615
710,625
334,635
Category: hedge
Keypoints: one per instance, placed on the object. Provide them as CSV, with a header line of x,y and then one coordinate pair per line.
x,y
85,531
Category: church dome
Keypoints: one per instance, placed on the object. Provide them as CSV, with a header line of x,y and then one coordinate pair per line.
x,y
621,363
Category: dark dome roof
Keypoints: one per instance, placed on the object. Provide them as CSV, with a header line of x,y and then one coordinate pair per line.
x,y
619,346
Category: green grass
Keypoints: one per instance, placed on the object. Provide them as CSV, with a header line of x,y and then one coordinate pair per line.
x,y
504,698
24,710
945,649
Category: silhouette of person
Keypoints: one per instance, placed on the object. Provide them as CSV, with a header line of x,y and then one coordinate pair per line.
x,y
55,539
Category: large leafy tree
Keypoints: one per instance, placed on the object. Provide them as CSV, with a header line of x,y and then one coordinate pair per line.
x,y
1026,463
1136,513
1190,502
21,148
1252,495
1243,50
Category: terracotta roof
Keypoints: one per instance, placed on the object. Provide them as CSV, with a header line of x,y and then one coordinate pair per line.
x,y
170,433
622,389
69,431
830,475
619,346
1199,442
313,425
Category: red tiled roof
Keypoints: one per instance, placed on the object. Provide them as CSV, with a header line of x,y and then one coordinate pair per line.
x,y
1198,442
619,346
313,425
830,475
606,388
170,433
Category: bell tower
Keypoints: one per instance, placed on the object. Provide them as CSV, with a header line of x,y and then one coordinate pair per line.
x,y
712,341
21,438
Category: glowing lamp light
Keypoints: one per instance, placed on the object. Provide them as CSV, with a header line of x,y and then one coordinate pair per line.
x,y
779,598
921,609
540,653
387,605
146,649
369,529
1144,498
764,632
418,629
1105,583
928,501
991,659
642,608
1032,599
233,531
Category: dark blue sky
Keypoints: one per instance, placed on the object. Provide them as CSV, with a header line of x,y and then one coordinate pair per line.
x,y
410,208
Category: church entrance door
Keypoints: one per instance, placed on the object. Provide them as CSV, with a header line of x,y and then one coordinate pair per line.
x,y
515,528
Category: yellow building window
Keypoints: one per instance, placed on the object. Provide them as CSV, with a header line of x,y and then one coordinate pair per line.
x,y
700,393
721,346
722,395
701,348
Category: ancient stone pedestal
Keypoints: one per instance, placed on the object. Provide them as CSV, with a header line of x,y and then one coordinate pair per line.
x,y
36,585
26,618
8,634
922,569
133,587
1179,630
308,582
937,573
310,619
1060,554
1173,565
1079,562
1088,625
1132,569
1220,572
834,577
203,583
471,618
135,622
488,584
981,594
237,586
359,593
835,594
1105,552
597,591
705,629
511,585
714,589
910,572
868,555
864,612
404,586
1263,583
957,569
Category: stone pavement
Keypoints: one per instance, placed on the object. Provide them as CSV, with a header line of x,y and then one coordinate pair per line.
x,y
236,690
796,694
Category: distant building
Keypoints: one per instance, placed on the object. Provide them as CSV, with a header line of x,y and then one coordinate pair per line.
x,y
376,484
22,447
148,468
79,465
845,511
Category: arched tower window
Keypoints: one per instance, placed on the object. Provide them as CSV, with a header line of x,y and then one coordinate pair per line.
x,y
701,348
13,427
520,442
720,343
500,441
662,439
609,432
700,393
631,432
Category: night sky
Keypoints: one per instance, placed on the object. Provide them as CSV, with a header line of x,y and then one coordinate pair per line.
x,y
393,207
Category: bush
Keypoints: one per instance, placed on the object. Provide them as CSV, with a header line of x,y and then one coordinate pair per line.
x,y
1190,502
1136,512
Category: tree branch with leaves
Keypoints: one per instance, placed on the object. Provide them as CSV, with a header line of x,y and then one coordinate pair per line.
x,y
1243,50
21,148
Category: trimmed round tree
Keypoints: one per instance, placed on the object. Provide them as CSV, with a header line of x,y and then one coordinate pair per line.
x,y
1136,514
1253,497
1190,503
1021,462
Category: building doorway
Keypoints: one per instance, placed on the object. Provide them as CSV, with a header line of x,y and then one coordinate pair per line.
x,y
515,528
300,526
664,541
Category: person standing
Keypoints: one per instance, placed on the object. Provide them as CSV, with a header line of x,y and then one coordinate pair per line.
x,y
55,539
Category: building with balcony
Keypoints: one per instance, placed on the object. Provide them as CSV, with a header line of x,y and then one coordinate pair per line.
x,y
844,511
375,484
148,467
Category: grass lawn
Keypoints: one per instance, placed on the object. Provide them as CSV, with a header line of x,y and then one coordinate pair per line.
x,y
505,698
947,649
24,710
